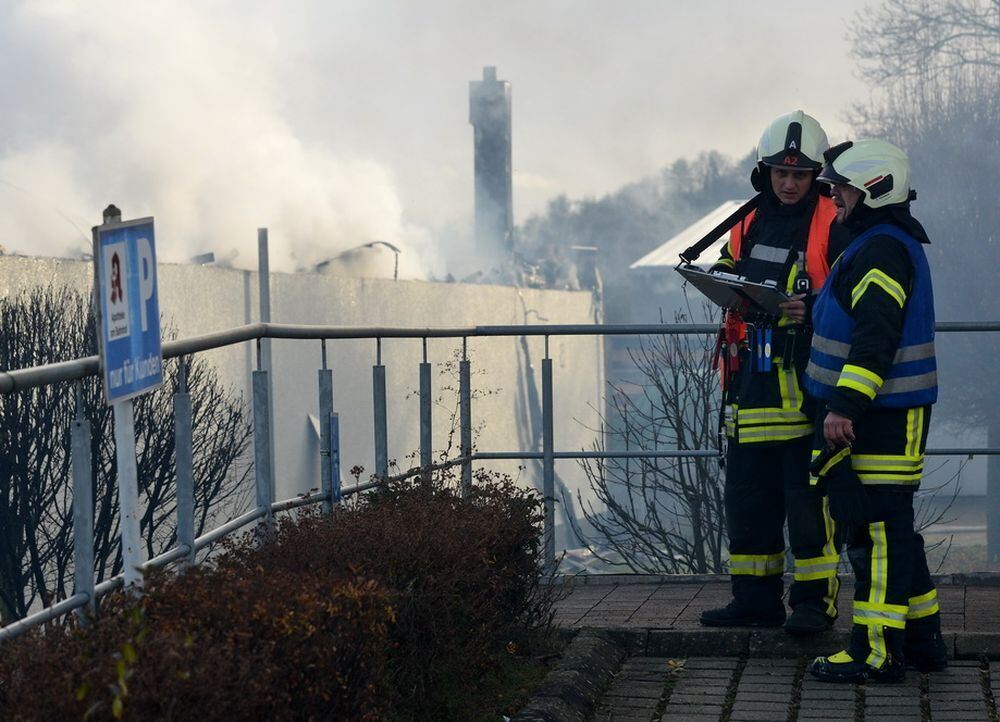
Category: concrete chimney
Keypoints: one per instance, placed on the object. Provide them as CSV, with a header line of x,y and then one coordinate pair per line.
x,y
489,113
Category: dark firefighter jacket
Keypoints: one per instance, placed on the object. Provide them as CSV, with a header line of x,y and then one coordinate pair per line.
x,y
779,243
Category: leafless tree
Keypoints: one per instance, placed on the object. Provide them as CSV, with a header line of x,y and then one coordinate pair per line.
x,y
36,541
661,515
924,38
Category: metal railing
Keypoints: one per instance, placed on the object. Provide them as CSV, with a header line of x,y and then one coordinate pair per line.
x,y
86,592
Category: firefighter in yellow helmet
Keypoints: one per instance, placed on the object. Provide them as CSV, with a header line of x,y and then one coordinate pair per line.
x,y
872,365
791,240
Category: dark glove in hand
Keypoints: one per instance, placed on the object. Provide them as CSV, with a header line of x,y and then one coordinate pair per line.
x,y
849,504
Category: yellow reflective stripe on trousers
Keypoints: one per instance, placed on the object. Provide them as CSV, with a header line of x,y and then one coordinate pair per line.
x,y
876,642
757,565
923,606
901,469
860,379
816,568
830,549
880,564
889,615
883,281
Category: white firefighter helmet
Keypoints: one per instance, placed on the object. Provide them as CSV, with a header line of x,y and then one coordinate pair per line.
x,y
878,169
794,140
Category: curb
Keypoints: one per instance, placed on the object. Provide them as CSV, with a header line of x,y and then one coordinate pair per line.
x,y
570,692
774,643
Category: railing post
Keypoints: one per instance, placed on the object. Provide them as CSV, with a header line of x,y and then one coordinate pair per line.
x,y
548,463
264,345
378,403
335,495
184,439
83,511
262,442
425,414
325,410
465,417
128,494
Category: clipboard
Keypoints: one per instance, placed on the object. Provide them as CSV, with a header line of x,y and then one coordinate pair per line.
x,y
735,292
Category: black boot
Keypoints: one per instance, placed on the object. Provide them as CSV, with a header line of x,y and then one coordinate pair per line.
x,y
738,614
925,652
808,620
841,667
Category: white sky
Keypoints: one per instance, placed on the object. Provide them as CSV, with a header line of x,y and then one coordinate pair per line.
x,y
337,123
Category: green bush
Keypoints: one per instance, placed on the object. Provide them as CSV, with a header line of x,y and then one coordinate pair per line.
x,y
397,607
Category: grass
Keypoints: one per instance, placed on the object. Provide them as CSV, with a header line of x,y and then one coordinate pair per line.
x,y
516,675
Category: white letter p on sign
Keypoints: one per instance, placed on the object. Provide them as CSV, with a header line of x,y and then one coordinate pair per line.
x,y
147,278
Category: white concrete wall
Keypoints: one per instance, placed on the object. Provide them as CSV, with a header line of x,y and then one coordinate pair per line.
x,y
506,371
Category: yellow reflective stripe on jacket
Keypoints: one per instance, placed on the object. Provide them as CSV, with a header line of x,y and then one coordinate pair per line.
x,y
762,415
773,423
787,432
757,565
860,379
923,606
883,281
888,615
727,262
816,567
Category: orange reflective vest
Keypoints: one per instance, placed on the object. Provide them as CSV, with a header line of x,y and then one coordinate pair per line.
x,y
817,266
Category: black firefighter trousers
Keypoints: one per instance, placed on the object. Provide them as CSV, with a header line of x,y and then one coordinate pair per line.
x,y
764,483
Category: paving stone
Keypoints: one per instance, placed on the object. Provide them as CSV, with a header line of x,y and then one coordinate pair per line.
x,y
710,663
764,715
629,688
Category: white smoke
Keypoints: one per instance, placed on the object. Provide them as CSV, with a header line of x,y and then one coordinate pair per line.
x,y
174,110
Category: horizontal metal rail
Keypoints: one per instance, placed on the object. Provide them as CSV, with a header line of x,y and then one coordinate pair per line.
x,y
11,381
15,629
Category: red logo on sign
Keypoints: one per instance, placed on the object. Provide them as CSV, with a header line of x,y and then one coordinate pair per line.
x,y
116,280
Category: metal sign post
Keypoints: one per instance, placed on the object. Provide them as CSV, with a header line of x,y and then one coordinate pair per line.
x,y
128,326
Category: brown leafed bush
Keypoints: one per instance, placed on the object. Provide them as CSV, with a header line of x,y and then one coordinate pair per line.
x,y
464,575
214,646
394,608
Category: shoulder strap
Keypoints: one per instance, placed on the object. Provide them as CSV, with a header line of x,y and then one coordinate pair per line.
x,y
690,255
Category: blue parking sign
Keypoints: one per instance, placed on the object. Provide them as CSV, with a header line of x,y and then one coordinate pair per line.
x,y
128,308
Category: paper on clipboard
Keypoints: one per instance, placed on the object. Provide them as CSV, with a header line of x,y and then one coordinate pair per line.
x,y
734,292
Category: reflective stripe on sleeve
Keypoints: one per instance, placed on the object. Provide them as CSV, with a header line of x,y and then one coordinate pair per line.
x,y
860,379
875,277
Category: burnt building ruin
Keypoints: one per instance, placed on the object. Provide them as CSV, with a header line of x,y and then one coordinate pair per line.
x,y
489,113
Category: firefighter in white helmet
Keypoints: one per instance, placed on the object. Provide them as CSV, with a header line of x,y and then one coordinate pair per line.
x,y
791,240
873,367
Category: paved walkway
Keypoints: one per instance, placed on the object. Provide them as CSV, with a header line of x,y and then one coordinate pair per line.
x,y
678,670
